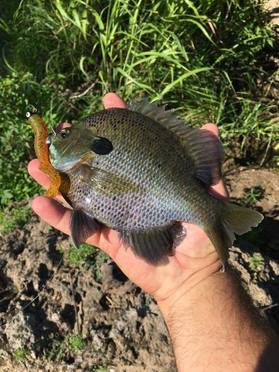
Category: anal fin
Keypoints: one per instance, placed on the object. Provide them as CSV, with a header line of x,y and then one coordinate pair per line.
x,y
153,245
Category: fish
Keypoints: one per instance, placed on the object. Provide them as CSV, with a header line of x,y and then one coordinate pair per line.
x,y
142,171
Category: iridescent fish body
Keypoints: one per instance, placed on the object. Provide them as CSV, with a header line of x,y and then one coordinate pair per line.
x,y
142,171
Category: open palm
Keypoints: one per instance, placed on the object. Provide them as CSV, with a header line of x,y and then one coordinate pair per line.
x,y
194,254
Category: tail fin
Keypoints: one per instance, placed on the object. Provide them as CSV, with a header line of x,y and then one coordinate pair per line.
x,y
232,220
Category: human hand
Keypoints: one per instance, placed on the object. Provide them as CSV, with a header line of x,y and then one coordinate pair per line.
x,y
195,257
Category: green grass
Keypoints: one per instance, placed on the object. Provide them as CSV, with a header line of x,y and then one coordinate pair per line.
x,y
61,348
276,154
253,195
89,256
256,262
76,256
75,342
13,218
212,60
20,354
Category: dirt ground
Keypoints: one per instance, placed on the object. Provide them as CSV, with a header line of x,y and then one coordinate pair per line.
x,y
273,7
44,300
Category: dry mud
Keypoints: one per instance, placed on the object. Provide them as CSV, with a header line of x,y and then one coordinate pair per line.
x,y
44,300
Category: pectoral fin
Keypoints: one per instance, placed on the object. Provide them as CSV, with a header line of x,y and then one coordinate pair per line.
x,y
82,226
106,182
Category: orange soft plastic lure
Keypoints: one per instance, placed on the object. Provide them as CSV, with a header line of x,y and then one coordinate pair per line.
x,y
58,183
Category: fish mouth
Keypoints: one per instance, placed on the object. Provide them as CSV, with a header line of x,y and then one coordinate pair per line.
x,y
69,165
48,139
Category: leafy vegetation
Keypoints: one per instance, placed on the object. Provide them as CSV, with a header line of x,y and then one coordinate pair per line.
x,y
76,256
212,60
253,195
12,218
61,348
88,255
75,342
256,262
20,354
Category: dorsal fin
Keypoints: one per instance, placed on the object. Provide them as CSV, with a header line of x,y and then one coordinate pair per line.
x,y
203,147
154,111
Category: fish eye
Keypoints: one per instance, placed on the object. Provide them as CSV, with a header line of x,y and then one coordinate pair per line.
x,y
64,133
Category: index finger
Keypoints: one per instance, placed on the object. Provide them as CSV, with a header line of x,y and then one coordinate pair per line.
x,y
111,100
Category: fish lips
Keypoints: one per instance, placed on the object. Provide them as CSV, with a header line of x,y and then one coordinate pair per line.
x,y
66,163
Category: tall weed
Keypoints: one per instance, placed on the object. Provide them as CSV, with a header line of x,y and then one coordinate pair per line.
x,y
211,60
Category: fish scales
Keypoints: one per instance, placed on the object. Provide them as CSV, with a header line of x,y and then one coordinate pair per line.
x,y
156,171
143,173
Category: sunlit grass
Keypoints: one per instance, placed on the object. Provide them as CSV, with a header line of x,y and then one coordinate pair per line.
x,y
89,256
11,219
60,348
211,60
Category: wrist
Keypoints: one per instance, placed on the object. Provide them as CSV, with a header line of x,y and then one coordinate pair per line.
x,y
214,327
178,296
184,306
